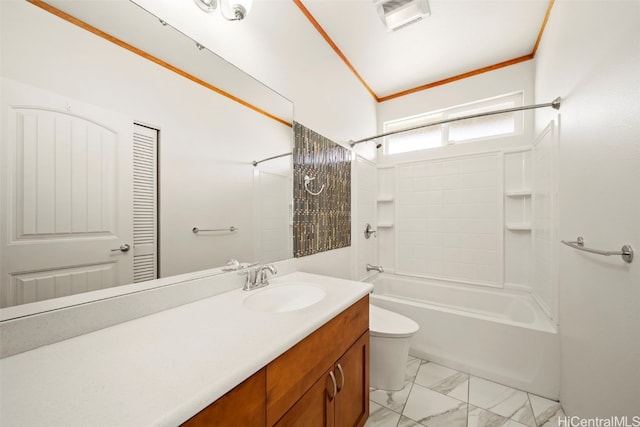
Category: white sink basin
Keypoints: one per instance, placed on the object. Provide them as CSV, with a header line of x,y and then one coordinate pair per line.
x,y
282,298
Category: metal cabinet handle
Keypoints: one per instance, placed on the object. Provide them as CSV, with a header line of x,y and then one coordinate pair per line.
x,y
335,386
122,248
341,377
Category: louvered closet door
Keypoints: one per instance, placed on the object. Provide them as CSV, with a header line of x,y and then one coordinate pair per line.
x,y
66,198
145,262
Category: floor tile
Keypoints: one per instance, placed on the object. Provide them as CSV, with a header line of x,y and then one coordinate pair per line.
x,y
435,395
394,400
501,400
379,416
444,380
544,410
413,364
554,420
511,423
479,417
434,409
407,422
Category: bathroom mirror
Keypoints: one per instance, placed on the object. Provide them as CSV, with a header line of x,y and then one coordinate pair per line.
x,y
210,122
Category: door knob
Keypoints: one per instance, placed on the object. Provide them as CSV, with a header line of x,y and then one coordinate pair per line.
x,y
122,248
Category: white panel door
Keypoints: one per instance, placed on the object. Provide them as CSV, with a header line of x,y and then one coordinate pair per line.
x,y
67,202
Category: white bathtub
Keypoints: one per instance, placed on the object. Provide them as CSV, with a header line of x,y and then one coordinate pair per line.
x,y
498,334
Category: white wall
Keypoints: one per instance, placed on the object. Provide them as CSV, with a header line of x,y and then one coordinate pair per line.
x,y
279,46
519,77
331,101
296,62
589,55
205,179
365,195
544,220
510,175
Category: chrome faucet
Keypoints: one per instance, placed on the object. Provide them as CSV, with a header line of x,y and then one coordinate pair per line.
x,y
257,276
377,268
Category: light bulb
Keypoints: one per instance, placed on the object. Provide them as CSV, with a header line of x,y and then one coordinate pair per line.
x,y
207,5
235,10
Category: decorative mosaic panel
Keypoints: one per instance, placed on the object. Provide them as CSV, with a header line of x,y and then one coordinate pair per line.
x,y
321,222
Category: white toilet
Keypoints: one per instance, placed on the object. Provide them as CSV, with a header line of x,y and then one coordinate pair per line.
x,y
390,335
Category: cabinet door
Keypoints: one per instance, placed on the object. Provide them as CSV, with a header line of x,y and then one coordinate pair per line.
x,y
352,375
294,372
315,408
244,406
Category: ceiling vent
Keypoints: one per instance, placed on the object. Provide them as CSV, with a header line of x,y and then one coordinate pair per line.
x,y
396,14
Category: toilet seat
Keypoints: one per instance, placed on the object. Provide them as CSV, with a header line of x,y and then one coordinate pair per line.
x,y
385,323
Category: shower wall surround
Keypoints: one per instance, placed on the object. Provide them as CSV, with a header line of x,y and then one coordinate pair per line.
x,y
468,218
449,219
321,221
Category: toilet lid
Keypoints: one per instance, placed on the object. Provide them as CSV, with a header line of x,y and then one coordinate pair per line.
x,y
385,323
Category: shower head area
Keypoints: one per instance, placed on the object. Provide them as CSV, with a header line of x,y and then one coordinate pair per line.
x,y
456,225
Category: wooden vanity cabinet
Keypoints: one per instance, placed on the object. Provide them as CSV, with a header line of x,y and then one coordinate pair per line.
x,y
322,381
340,397
352,399
314,409
244,406
337,353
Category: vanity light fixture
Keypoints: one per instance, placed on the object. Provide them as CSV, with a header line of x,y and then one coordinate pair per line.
x,y
238,9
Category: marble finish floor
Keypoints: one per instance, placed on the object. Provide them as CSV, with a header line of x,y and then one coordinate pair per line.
x,y
437,396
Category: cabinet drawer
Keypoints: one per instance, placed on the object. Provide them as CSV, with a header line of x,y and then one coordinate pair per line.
x,y
295,371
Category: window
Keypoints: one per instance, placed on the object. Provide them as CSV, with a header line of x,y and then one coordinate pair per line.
x,y
456,132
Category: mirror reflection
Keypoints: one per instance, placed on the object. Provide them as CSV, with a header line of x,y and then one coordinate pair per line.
x,y
114,149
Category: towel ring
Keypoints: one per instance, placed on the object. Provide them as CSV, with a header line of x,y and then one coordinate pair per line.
x,y
307,180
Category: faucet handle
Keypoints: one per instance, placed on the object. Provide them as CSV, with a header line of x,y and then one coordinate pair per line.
x,y
245,268
231,265
262,271
251,272
249,265
368,231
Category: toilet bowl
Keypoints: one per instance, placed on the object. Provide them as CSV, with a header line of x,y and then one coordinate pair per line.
x,y
389,335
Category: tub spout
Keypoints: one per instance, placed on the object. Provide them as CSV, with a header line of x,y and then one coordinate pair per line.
x,y
377,268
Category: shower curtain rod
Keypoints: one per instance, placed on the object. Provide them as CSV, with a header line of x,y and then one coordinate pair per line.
x,y
555,104
255,163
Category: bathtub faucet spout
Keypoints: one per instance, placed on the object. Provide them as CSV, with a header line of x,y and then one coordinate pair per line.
x,y
377,268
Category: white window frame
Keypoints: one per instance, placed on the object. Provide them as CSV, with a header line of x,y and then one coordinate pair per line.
x,y
514,98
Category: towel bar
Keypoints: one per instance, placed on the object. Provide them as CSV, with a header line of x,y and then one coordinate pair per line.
x,y
232,228
626,252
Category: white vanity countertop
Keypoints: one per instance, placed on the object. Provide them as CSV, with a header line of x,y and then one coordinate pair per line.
x,y
161,369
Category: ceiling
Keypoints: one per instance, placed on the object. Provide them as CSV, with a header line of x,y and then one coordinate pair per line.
x,y
460,36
